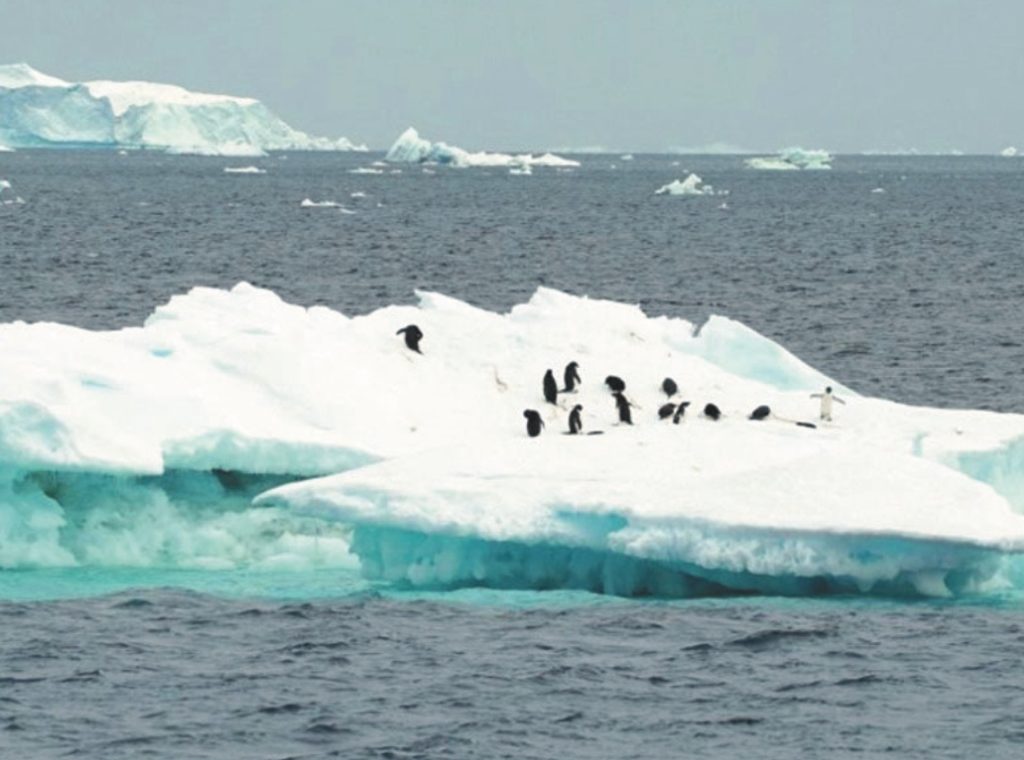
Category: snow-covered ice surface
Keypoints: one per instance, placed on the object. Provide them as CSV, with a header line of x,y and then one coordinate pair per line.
x,y
411,148
692,185
789,159
37,110
237,391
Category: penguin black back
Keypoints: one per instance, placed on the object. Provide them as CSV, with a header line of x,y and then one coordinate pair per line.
x,y
669,386
534,424
615,384
712,412
550,388
571,377
413,336
666,410
575,422
761,412
680,411
622,404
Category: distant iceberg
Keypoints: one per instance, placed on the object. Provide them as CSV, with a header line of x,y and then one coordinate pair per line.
x,y
40,111
1009,152
310,203
244,170
790,159
692,185
413,149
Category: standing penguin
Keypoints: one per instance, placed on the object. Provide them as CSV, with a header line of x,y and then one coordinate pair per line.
x,y
666,410
680,411
572,377
575,423
550,388
413,335
615,384
669,386
534,424
623,405
826,402
712,412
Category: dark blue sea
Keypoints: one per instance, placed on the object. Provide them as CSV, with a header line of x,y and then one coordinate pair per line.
x,y
903,277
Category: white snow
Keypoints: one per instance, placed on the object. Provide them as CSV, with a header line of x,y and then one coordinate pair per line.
x,y
411,148
790,159
692,185
443,487
43,111
244,170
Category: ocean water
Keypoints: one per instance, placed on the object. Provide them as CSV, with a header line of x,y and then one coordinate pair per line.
x,y
913,293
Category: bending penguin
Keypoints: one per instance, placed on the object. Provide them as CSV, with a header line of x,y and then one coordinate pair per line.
x,y
712,412
666,410
575,422
534,424
761,413
413,336
615,384
826,402
571,377
680,411
623,405
550,388
668,385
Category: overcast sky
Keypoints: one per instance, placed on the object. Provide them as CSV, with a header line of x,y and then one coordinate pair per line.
x,y
647,75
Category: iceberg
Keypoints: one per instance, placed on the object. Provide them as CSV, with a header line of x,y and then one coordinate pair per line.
x,y
789,159
1009,152
259,426
413,149
310,203
7,196
39,111
692,185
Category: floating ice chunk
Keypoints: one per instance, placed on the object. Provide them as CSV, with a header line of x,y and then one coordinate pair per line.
x,y
878,190
521,170
365,170
309,203
626,157
244,170
411,148
5,149
792,158
1009,152
692,185
7,197
357,194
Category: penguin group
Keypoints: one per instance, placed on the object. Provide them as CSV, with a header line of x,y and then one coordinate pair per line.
x,y
674,410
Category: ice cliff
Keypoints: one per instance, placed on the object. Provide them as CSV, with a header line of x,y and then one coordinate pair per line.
x,y
150,445
38,110
411,148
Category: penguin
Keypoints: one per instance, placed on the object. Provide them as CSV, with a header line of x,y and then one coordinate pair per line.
x,y
807,425
666,411
572,377
760,413
669,386
413,335
534,424
575,423
615,384
680,411
712,412
623,405
550,388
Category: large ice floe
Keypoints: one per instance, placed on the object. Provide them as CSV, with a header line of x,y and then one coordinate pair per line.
x,y
411,148
789,159
39,111
196,440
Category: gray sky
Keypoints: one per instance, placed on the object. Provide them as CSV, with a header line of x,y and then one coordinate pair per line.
x,y
845,75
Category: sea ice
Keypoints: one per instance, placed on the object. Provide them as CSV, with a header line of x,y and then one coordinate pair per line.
x,y
244,170
411,148
790,159
692,185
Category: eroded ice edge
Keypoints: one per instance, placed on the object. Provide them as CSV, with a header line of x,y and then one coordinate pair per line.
x,y
185,442
411,148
